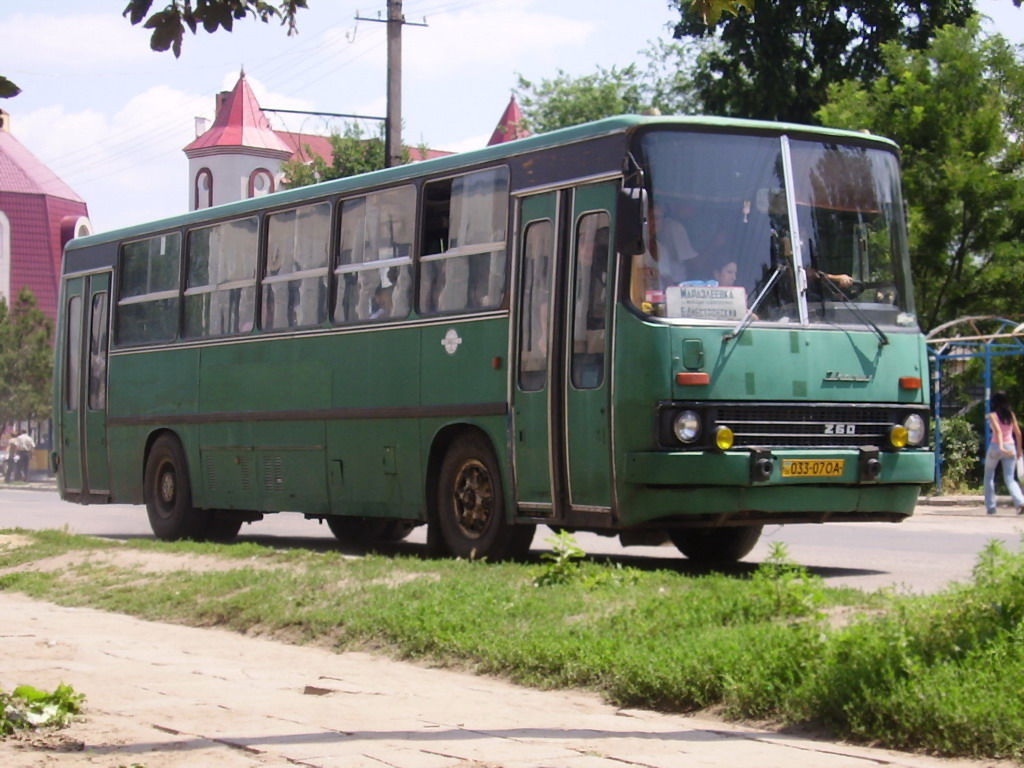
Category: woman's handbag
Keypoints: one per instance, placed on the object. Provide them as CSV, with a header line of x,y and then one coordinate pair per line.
x,y
1020,469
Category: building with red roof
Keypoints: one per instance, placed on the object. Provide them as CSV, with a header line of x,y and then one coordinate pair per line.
x,y
39,213
240,155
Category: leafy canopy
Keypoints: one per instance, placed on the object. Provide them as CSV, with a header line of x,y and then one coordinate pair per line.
x,y
957,110
26,360
352,154
169,24
777,62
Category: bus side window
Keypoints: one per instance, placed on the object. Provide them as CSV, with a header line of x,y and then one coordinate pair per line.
x,y
538,258
374,267
220,289
295,279
590,301
148,298
463,244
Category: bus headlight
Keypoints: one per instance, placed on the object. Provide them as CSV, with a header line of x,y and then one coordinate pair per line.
x,y
723,438
898,436
687,427
914,425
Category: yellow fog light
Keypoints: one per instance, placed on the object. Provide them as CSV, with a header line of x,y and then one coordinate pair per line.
x,y
723,438
898,436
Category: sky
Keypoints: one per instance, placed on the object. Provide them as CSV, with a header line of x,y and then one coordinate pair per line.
x,y
110,116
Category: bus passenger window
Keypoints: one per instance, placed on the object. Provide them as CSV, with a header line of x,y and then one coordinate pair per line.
x,y
147,306
295,279
538,257
463,242
220,292
590,301
374,267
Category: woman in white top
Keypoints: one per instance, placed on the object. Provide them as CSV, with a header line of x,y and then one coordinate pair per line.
x,y
1004,449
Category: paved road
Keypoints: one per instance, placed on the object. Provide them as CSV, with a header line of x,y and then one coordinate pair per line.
x,y
922,554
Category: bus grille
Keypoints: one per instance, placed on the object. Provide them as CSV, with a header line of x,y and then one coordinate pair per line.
x,y
785,426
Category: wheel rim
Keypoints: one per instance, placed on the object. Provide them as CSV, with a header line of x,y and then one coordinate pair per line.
x,y
473,498
166,490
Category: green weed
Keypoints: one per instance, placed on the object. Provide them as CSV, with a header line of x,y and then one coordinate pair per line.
x,y
29,708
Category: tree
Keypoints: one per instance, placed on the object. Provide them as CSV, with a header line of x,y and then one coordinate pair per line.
x,y
352,154
26,360
169,24
957,110
564,100
7,88
777,62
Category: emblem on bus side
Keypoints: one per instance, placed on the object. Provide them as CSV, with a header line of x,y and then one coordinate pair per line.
x,y
836,376
451,341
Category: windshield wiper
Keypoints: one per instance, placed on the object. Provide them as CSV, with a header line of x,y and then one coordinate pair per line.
x,y
780,267
882,338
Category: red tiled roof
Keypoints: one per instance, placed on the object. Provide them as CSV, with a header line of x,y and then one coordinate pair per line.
x,y
240,123
509,126
22,172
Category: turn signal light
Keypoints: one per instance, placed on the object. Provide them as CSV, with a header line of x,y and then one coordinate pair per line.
x,y
693,379
910,382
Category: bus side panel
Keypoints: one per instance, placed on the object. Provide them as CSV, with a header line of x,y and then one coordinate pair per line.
x,y
253,456
374,465
146,393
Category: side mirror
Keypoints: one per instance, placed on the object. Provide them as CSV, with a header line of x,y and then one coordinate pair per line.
x,y
631,221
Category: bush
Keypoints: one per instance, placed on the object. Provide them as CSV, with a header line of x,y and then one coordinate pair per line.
x,y
960,446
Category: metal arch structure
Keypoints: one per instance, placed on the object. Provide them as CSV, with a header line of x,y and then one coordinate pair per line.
x,y
969,338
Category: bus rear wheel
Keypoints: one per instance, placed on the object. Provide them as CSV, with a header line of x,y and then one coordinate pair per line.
x,y
169,494
471,505
716,545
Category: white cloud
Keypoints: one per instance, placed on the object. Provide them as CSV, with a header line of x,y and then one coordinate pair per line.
x,y
51,44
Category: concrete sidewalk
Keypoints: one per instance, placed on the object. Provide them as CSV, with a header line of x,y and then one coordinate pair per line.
x,y
162,695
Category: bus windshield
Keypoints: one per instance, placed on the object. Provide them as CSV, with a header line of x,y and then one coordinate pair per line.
x,y
809,231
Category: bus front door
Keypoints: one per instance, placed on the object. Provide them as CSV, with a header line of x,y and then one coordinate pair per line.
x,y
561,411
82,429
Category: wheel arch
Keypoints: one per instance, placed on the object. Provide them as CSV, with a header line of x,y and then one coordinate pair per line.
x,y
151,439
442,441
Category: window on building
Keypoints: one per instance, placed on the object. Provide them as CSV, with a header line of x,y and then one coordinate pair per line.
x,y
374,270
463,250
220,290
295,280
203,193
261,182
147,307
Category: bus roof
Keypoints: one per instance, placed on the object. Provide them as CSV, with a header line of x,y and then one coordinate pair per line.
x,y
607,126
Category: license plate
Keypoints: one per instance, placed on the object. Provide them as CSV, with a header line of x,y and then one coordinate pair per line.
x,y
813,467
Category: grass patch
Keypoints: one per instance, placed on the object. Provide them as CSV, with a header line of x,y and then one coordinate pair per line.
x,y
942,674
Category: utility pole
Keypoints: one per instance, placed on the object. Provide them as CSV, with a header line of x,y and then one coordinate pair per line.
x,y
393,122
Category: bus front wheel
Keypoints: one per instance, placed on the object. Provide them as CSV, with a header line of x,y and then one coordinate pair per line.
x,y
471,505
169,494
716,545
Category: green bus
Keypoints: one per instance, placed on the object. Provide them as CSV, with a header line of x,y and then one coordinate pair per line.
x,y
658,328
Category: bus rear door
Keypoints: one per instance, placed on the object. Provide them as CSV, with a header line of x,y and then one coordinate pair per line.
x,y
82,428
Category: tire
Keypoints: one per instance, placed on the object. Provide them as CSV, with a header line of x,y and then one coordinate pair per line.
x,y
471,517
169,494
716,545
223,526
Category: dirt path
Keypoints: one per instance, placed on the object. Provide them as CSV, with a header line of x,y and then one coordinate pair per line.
x,y
162,695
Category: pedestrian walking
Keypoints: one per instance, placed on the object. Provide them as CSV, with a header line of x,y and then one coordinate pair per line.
x,y
24,445
10,460
1004,449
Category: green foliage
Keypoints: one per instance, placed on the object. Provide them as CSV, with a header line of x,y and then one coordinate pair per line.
x,y
564,100
28,708
26,360
169,24
957,110
351,154
960,446
790,589
8,89
943,673
563,561
778,62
